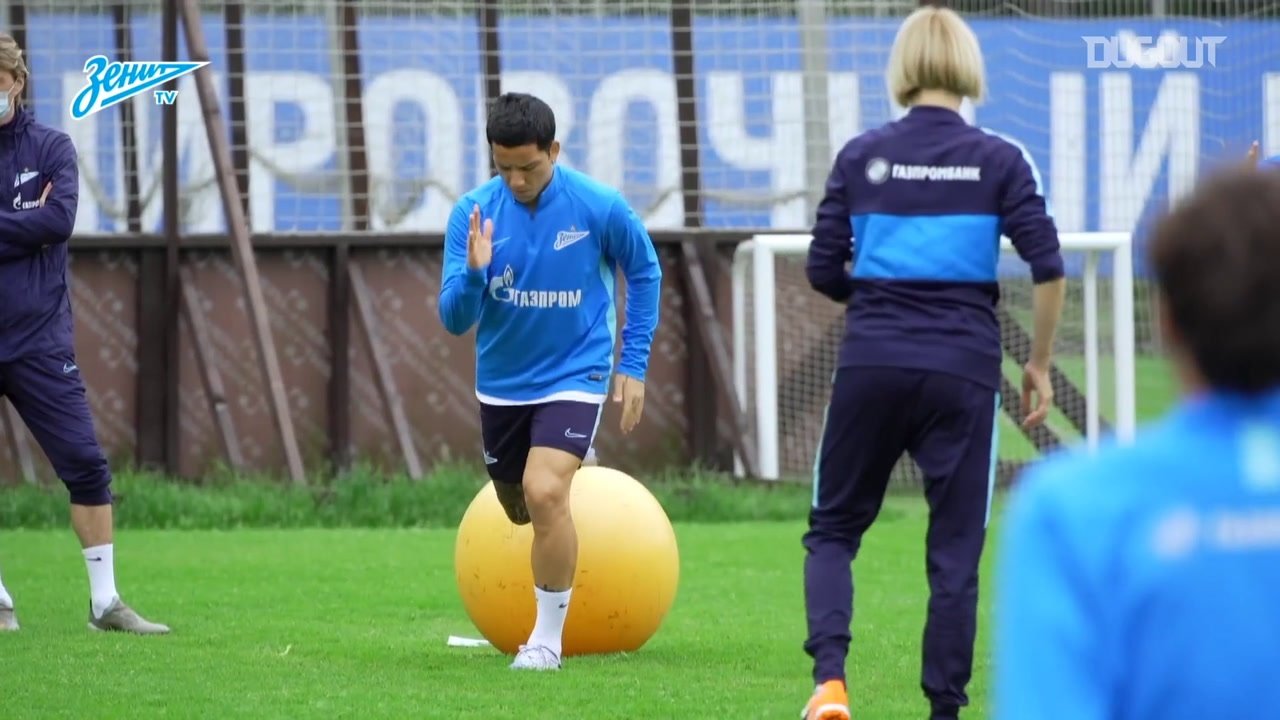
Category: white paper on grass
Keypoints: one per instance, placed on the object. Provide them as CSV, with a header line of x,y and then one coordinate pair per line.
x,y
456,641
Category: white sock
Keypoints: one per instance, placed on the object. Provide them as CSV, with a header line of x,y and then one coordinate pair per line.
x,y
549,626
100,561
5,599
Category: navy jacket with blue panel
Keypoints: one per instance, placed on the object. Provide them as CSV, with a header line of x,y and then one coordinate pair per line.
x,y
918,206
35,305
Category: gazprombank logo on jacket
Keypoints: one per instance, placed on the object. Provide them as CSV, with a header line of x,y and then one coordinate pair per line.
x,y
110,83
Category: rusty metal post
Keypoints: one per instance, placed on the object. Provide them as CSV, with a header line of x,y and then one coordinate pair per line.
x,y
357,173
391,399
210,377
233,28
242,250
157,408
490,52
121,16
708,350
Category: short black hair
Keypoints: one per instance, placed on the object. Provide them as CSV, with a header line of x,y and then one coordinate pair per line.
x,y
1216,257
517,119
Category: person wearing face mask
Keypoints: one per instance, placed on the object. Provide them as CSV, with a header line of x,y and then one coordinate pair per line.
x,y
39,374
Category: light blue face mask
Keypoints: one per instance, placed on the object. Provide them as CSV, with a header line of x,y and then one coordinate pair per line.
x,y
4,104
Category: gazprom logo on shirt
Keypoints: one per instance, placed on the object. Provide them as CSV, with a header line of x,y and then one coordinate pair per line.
x,y
880,170
503,289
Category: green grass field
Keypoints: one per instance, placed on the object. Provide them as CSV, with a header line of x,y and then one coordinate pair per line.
x,y
337,600
353,623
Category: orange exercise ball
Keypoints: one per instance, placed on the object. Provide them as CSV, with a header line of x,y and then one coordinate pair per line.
x,y
628,567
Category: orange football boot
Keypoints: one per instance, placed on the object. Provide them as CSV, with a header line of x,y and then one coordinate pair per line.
x,y
830,701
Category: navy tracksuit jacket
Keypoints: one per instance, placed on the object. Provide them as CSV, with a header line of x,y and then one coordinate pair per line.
x,y
918,207
38,369
35,309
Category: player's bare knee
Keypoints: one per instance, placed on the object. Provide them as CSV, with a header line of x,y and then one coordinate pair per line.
x,y
546,495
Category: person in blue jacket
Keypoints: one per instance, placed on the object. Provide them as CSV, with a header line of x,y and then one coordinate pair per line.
x,y
530,262
1143,581
39,373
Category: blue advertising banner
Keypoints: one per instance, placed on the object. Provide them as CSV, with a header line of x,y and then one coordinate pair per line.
x,y
1120,115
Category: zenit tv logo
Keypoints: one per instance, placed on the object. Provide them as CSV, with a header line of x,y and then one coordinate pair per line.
x,y
110,83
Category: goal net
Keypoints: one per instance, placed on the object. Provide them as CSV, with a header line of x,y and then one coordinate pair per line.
x,y
786,337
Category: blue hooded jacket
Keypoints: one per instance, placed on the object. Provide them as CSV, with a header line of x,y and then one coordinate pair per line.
x,y
35,304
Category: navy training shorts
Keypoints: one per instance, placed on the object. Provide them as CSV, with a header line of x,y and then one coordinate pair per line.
x,y
509,431
50,397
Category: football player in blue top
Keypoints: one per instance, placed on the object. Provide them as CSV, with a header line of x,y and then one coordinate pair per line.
x,y
1143,581
530,261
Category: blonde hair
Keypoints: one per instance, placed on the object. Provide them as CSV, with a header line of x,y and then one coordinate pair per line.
x,y
935,49
11,60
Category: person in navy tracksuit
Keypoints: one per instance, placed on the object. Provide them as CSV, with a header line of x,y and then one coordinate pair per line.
x,y
39,373
918,207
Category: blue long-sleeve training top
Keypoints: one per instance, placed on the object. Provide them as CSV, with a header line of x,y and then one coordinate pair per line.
x,y
1144,583
918,206
544,308
35,305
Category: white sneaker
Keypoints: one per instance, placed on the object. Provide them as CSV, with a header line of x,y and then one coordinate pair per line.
x,y
536,657
120,617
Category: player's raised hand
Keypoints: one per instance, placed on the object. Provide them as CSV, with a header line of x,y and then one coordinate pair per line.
x,y
1035,383
479,241
629,392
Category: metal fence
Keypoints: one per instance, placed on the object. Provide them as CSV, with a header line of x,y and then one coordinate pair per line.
x,y
255,267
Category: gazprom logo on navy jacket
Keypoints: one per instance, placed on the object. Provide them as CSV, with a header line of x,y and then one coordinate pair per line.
x,y
20,180
880,170
109,83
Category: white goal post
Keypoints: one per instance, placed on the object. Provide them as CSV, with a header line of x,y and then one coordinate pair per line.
x,y
756,344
